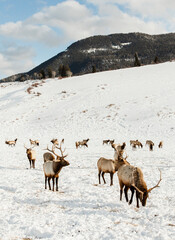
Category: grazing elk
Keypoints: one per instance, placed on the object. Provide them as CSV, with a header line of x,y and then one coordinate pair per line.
x,y
108,141
160,144
81,143
34,142
53,167
31,154
150,144
135,143
11,143
132,177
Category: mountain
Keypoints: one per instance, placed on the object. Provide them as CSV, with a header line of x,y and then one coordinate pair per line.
x,y
110,52
125,104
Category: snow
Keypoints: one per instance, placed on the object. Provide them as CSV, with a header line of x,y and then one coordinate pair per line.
x,y
133,103
93,50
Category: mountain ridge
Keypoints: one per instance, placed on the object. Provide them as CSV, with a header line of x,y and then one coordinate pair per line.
x,y
107,52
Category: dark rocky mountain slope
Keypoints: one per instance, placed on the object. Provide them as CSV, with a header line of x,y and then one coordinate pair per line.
x,y
110,52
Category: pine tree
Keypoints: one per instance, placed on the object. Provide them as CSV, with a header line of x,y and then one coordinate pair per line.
x,y
43,75
137,62
93,69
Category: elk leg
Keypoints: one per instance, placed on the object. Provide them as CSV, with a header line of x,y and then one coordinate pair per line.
x,y
33,163
45,182
103,177
49,182
99,177
121,190
132,194
53,182
126,193
30,163
137,198
111,175
56,183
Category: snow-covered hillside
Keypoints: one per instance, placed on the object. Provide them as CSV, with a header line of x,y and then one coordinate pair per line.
x,y
136,103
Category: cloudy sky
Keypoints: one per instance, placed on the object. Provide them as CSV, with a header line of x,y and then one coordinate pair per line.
x,y
32,31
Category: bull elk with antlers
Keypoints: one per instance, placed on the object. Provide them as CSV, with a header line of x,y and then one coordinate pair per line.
x,y
132,177
52,166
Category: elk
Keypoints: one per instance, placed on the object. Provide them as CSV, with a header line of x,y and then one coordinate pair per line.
x,y
31,154
132,177
81,143
109,165
106,141
119,150
34,142
135,143
52,166
150,144
11,143
160,144
55,141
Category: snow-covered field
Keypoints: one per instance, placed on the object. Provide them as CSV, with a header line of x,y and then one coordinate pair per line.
x,y
135,103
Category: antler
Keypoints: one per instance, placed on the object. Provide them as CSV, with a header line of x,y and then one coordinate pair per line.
x,y
52,150
62,151
157,185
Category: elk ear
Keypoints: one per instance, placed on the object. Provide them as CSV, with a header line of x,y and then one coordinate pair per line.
x,y
123,146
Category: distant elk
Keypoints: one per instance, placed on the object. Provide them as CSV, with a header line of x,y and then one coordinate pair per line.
x,y
34,142
108,141
135,143
55,141
82,143
132,178
52,166
150,144
31,154
11,143
160,144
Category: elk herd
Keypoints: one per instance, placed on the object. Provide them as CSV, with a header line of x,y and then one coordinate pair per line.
x,y
130,177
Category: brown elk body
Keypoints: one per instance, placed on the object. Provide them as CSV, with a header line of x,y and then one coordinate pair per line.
x,y
132,177
160,144
150,144
109,165
31,154
106,166
48,157
82,143
34,142
11,143
135,143
52,166
55,141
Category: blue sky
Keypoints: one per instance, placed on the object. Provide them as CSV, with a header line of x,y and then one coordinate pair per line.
x,y
32,31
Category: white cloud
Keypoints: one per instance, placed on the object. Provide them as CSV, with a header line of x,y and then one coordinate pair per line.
x,y
15,59
69,21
